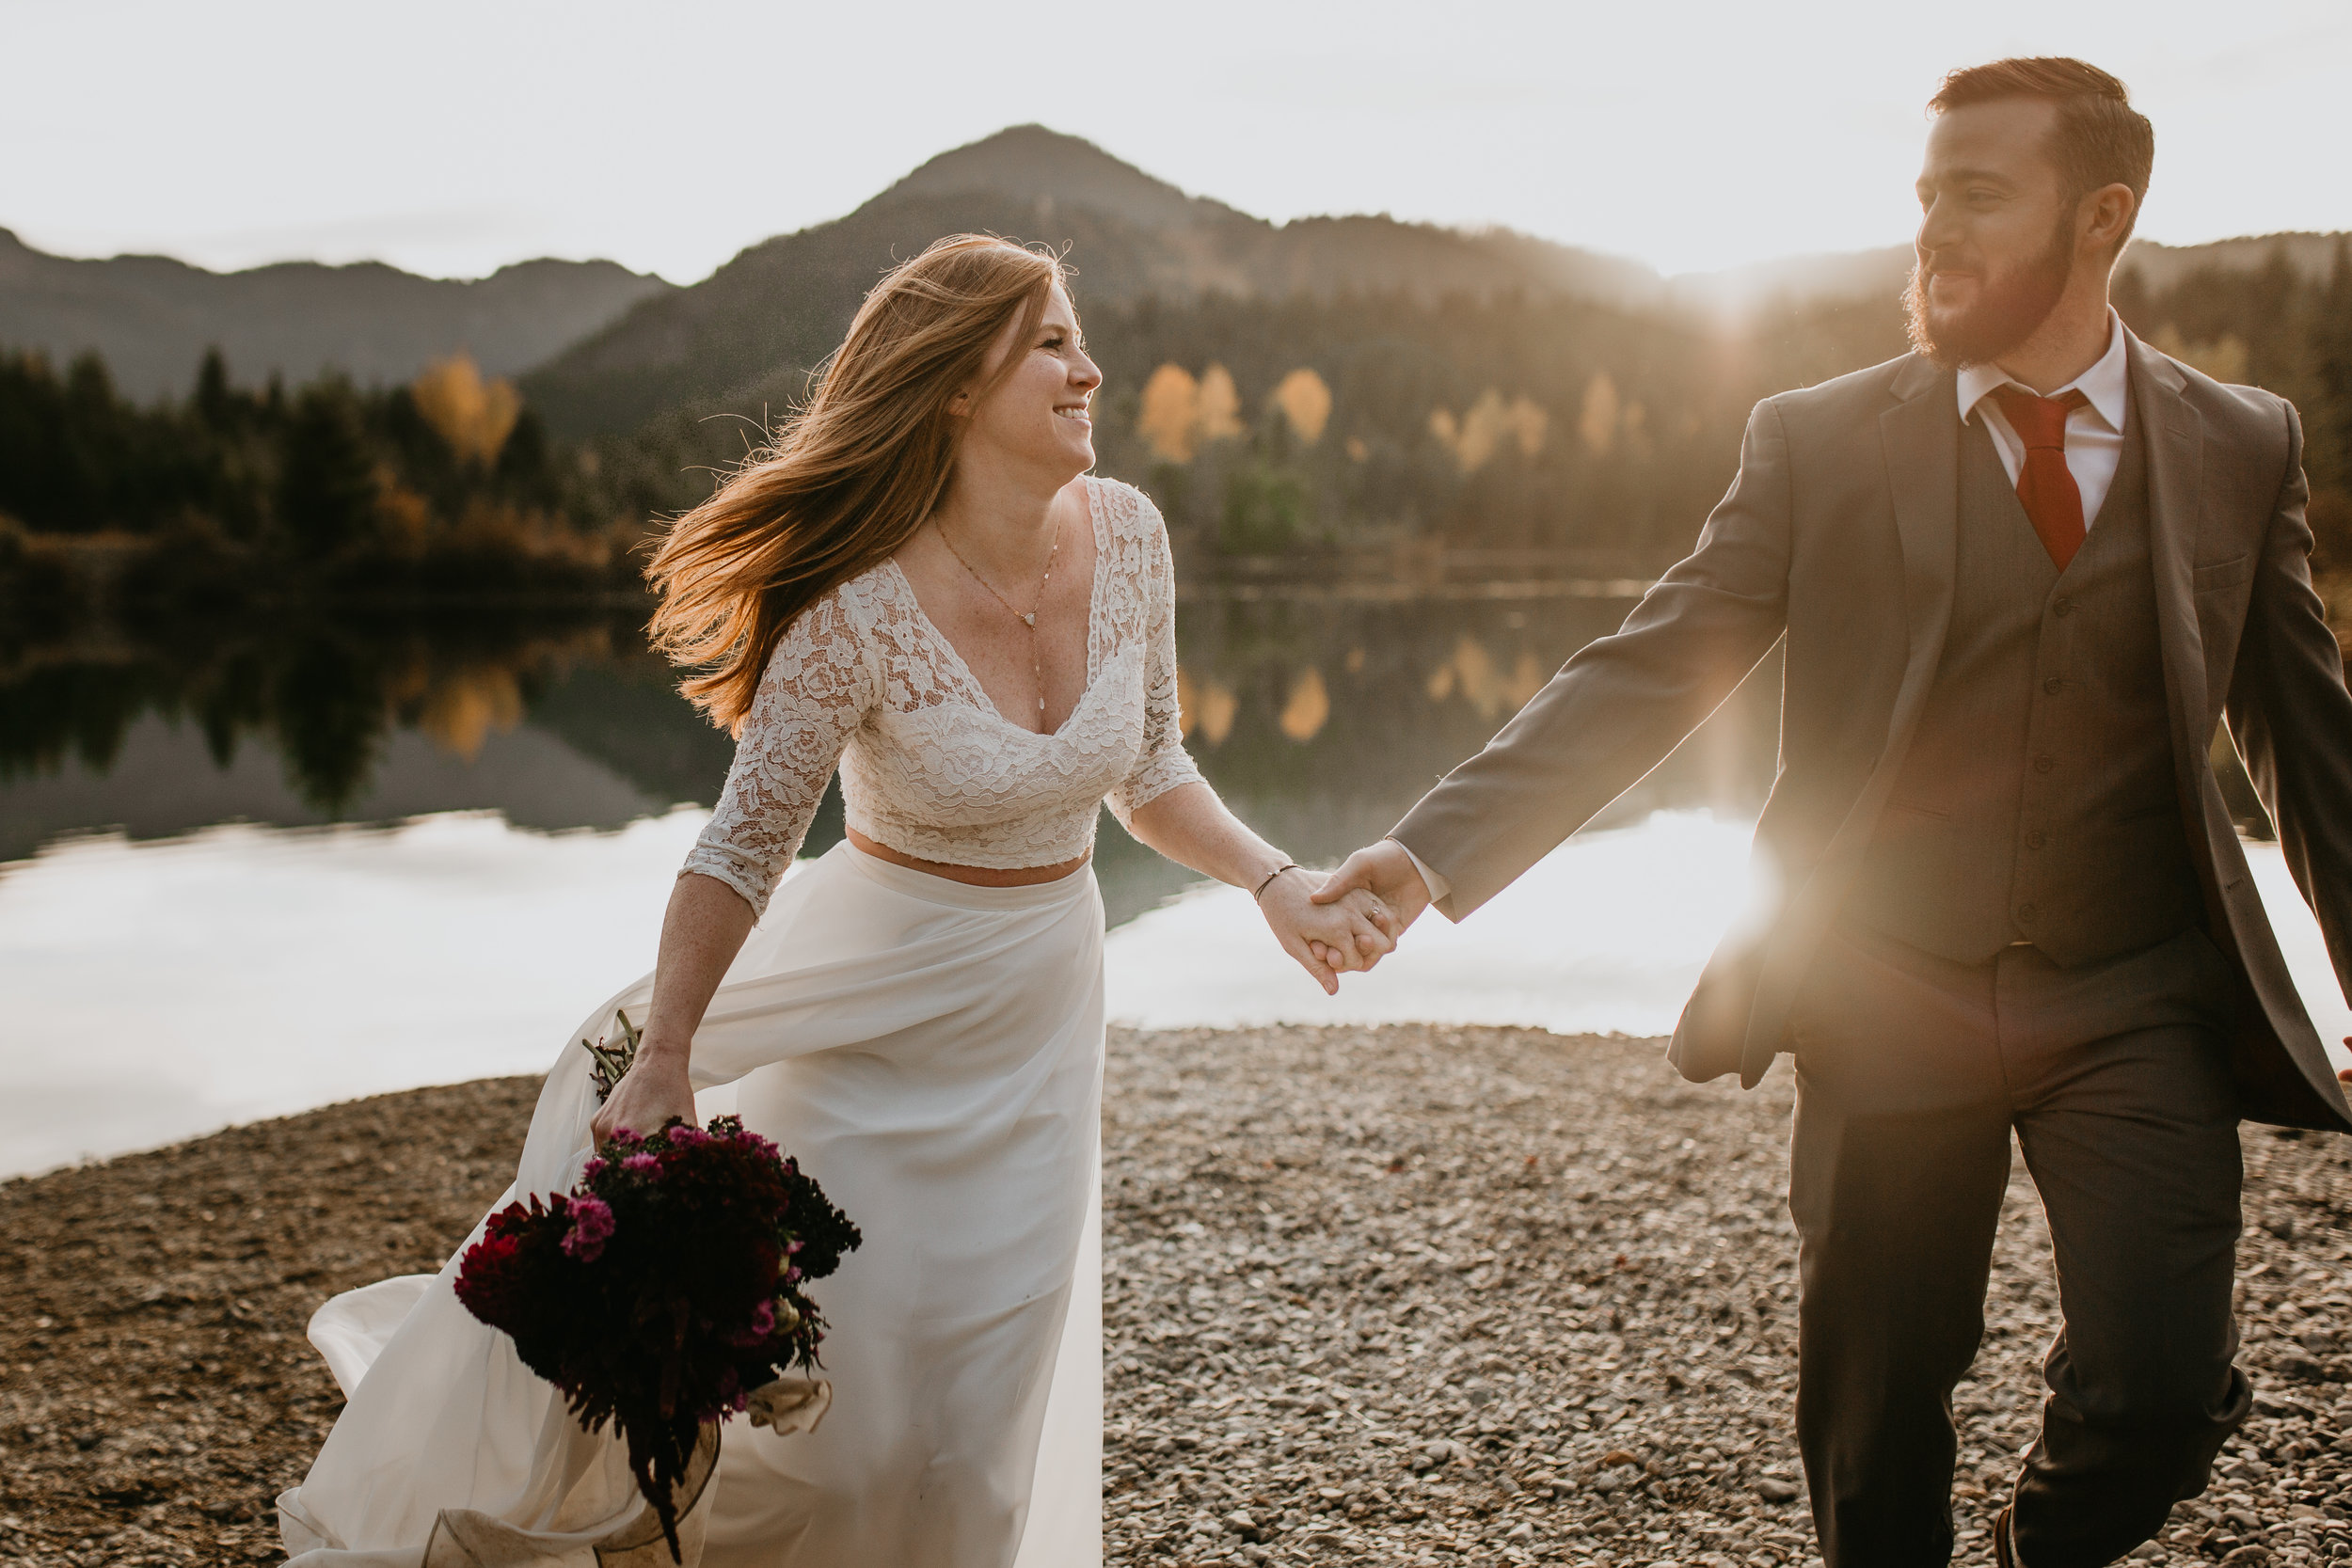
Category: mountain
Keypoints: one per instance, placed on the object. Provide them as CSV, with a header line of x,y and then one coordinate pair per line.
x,y
152,318
1029,163
748,331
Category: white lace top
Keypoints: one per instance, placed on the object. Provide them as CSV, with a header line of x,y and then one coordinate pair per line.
x,y
929,767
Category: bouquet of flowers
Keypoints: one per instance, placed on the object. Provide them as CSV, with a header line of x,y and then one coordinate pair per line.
x,y
665,1290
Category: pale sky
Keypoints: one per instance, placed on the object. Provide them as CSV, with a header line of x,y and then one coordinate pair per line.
x,y
449,138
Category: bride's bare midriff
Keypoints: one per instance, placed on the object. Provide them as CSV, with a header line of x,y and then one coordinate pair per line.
x,y
972,875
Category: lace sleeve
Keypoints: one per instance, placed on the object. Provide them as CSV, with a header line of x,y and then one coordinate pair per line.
x,y
1164,763
815,691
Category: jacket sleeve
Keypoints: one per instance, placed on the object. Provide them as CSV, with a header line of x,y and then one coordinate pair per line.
x,y
1616,709
2290,716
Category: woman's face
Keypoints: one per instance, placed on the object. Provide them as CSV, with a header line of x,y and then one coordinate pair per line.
x,y
1038,413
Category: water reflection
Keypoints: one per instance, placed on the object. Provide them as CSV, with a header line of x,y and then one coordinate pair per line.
x,y
1320,718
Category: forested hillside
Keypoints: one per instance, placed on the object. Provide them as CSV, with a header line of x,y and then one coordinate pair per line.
x,y
1338,394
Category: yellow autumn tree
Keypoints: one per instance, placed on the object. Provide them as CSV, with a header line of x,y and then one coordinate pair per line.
x,y
1203,707
1179,415
1480,432
1170,413
475,416
1220,405
1598,423
1306,402
1309,708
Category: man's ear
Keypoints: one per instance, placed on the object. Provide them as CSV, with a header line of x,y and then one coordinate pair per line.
x,y
2107,216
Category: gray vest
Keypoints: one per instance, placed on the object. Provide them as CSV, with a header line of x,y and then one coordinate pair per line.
x,y
2037,803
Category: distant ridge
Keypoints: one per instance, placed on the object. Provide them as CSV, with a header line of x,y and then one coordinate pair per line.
x,y
151,317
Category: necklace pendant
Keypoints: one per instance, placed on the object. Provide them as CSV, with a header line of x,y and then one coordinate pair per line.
x,y
1030,618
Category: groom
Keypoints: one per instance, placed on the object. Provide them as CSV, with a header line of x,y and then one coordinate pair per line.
x,y
2022,575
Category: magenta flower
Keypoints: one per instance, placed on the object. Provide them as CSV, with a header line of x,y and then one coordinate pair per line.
x,y
643,1164
592,1226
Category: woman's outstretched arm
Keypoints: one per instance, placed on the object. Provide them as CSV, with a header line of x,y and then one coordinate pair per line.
x,y
1192,827
700,933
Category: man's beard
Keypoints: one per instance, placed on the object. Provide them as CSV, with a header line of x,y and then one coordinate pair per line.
x,y
2007,312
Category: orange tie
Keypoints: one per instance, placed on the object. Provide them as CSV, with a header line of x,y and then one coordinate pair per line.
x,y
2046,486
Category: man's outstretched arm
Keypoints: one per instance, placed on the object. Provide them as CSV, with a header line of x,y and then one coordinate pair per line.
x,y
1611,713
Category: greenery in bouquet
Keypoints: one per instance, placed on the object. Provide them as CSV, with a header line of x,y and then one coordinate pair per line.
x,y
664,1289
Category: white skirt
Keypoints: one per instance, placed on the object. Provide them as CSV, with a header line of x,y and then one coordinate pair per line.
x,y
932,1054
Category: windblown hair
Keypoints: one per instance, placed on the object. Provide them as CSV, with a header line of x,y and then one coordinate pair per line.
x,y
2101,139
848,478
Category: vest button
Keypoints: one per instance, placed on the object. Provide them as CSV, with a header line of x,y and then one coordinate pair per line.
x,y
2053,685
2043,765
2026,914
2063,606
2035,839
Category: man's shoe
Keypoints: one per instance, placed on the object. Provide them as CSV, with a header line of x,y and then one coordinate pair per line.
x,y
2004,1548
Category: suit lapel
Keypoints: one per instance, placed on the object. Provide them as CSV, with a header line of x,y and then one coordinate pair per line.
x,y
1920,437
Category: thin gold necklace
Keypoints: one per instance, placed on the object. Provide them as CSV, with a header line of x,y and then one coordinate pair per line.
x,y
1029,617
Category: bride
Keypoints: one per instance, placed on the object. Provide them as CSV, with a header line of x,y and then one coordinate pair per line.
x,y
916,582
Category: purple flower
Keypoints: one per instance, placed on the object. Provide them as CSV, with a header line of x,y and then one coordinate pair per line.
x,y
763,1324
591,1225
647,1165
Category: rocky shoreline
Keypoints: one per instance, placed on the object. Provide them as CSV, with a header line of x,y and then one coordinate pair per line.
x,y
1399,1295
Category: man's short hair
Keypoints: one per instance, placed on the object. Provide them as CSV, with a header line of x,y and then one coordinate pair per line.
x,y
2101,139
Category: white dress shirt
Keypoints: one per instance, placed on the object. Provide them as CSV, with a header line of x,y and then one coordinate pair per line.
x,y
2094,434
1438,887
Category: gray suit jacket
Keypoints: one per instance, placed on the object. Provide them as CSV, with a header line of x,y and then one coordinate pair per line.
x,y
1838,535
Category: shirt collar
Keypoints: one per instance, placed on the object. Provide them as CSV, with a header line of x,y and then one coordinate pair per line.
x,y
2103,384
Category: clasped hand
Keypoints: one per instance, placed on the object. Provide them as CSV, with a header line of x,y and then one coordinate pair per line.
x,y
1347,922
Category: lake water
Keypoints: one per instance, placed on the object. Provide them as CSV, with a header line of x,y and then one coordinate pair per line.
x,y
253,871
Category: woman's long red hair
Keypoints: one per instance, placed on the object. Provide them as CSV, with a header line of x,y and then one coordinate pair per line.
x,y
846,480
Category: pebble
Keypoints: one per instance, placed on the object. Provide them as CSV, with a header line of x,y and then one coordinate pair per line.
x,y
1425,1294
1408,1295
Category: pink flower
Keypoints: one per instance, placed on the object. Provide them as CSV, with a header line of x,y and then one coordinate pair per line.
x,y
643,1164
591,1225
593,1168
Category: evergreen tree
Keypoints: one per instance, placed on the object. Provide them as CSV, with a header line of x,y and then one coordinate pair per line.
x,y
215,404
327,487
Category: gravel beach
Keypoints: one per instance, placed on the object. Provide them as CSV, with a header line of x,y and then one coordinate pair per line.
x,y
1399,1295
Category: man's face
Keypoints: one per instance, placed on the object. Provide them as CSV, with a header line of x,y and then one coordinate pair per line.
x,y
1996,244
